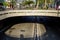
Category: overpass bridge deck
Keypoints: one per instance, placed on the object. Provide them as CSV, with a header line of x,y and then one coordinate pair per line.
x,y
12,13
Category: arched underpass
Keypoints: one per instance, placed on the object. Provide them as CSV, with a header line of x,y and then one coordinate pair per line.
x,y
51,25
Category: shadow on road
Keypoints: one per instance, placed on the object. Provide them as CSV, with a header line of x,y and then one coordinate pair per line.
x,y
52,25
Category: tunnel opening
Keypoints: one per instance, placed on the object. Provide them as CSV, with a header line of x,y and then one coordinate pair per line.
x,y
52,23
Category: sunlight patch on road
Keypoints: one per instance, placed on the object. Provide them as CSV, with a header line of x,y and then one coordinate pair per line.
x,y
26,30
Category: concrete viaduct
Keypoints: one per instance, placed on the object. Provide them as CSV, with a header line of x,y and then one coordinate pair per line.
x,y
6,22
14,13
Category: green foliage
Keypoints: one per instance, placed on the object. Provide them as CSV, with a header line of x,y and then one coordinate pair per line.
x,y
41,1
48,1
28,2
13,2
5,4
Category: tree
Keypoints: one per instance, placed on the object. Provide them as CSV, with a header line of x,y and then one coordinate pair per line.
x,y
28,3
48,2
45,3
38,2
6,4
13,3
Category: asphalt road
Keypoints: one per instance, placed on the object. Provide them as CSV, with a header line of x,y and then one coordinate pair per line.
x,y
28,30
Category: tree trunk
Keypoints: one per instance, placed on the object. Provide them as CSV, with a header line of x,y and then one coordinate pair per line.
x,y
37,4
45,4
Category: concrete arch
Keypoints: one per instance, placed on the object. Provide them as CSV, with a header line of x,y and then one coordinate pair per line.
x,y
25,19
12,20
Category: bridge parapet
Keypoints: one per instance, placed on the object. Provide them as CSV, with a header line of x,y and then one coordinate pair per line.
x,y
29,11
12,13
